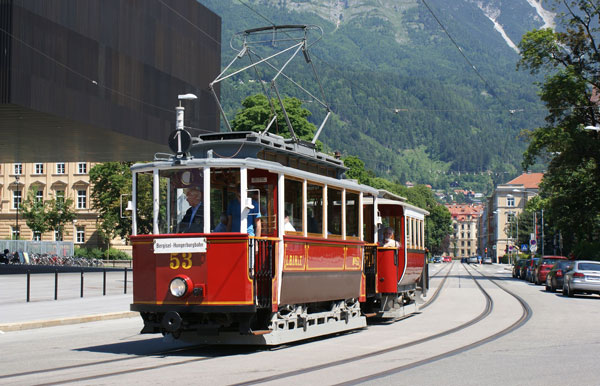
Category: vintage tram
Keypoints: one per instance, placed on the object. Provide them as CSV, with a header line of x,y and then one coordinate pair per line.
x,y
252,238
308,271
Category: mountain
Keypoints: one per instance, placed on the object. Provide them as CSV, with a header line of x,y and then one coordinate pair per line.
x,y
410,102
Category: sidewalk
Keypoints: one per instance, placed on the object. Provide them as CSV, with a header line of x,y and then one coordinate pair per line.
x,y
43,311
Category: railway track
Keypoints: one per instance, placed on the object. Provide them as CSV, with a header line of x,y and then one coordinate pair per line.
x,y
54,375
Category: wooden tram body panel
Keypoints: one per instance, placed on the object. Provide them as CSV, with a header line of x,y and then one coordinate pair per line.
x,y
316,269
222,272
415,262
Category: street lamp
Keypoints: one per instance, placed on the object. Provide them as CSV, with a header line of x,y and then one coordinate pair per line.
x,y
18,203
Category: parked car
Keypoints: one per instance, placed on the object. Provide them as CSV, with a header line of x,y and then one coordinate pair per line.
x,y
463,260
583,277
447,259
543,266
516,271
473,260
436,259
554,279
487,260
526,270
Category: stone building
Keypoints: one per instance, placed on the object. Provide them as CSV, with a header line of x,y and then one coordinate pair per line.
x,y
507,201
463,241
49,180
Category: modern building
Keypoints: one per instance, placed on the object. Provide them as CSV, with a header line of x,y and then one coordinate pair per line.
x,y
507,201
463,241
49,180
99,79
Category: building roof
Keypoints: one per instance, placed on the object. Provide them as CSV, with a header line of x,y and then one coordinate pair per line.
x,y
528,180
460,212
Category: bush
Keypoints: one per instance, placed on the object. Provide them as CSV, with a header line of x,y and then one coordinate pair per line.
x,y
96,253
586,250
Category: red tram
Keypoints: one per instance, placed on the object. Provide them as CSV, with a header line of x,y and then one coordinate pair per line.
x,y
318,274
257,239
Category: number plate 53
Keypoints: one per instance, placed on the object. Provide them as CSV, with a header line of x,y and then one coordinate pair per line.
x,y
180,260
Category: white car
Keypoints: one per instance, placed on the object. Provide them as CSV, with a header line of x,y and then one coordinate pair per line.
x,y
487,260
583,277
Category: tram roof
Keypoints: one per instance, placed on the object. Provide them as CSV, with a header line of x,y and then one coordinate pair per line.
x,y
248,144
253,163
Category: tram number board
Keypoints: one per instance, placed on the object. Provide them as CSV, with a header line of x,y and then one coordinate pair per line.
x,y
188,245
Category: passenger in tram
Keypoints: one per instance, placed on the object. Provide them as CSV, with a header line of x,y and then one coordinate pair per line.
x,y
388,239
234,220
193,220
313,226
222,227
287,225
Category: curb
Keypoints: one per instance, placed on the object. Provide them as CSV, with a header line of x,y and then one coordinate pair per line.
x,y
65,321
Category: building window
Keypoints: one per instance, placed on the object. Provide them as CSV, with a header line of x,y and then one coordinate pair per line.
x,y
462,243
81,199
58,235
510,201
37,236
82,168
39,196
60,196
39,168
80,235
16,233
60,168
18,169
510,216
16,199
468,243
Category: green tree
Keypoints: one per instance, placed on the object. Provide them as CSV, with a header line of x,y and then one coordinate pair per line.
x,y
59,211
34,212
257,113
569,58
109,181
42,216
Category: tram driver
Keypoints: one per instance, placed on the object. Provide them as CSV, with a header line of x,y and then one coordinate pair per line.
x,y
388,239
193,220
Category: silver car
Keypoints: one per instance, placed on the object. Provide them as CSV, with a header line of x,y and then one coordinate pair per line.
x,y
583,277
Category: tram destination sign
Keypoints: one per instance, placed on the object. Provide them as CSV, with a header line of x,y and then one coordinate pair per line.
x,y
191,245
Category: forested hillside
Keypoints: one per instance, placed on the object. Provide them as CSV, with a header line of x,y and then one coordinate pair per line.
x,y
405,99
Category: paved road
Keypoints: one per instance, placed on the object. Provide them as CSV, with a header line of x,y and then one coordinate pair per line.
x,y
537,353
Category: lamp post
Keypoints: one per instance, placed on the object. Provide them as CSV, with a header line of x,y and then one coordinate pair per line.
x,y
18,203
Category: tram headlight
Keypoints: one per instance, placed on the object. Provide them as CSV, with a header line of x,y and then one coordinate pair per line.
x,y
180,286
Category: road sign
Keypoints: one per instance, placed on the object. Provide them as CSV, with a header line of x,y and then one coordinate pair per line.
x,y
180,141
524,247
533,248
532,242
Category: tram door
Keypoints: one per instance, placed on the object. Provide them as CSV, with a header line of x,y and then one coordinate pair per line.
x,y
262,187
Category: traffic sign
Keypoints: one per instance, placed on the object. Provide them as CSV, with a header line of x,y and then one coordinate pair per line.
x,y
180,141
524,247
533,248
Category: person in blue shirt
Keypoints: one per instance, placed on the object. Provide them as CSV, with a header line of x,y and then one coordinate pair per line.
x,y
233,216
222,227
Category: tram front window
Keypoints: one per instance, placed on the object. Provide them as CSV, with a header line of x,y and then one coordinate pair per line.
x,y
182,201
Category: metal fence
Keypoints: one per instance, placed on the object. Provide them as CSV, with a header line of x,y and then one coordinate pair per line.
x,y
59,248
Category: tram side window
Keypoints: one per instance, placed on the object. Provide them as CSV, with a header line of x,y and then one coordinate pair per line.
x,y
144,203
264,194
314,203
223,185
293,205
352,214
334,212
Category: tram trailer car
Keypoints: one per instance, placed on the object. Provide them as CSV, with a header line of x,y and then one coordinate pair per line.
x,y
256,239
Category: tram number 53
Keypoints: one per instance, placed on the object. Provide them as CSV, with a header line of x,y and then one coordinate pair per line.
x,y
183,260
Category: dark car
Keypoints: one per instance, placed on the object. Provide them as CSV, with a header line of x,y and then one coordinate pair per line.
x,y
437,259
583,277
556,275
527,269
543,266
516,272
